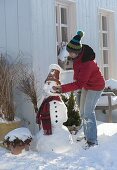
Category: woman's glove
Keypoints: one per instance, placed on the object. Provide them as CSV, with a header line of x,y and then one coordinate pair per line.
x,y
57,89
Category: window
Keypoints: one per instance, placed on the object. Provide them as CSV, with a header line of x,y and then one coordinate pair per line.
x,y
107,43
104,32
62,23
65,27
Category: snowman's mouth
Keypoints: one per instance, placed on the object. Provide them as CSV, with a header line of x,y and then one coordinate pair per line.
x,y
53,91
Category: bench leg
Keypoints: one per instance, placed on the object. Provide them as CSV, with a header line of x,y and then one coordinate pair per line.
x,y
110,116
110,110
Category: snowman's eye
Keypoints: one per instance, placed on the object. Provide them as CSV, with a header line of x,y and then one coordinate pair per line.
x,y
48,83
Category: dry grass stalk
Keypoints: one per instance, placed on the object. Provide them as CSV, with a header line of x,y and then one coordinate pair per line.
x,y
28,87
6,89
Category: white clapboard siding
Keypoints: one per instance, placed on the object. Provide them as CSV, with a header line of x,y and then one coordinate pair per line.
x,y
2,26
28,27
15,27
11,24
44,34
43,43
24,26
88,20
87,14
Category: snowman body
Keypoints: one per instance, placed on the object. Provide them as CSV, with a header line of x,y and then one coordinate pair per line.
x,y
58,113
60,140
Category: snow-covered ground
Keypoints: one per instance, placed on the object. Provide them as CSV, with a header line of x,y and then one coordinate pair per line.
x,y
101,157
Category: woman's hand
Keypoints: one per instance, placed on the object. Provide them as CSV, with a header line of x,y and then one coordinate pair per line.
x,y
57,89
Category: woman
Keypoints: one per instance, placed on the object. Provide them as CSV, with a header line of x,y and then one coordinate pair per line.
x,y
89,79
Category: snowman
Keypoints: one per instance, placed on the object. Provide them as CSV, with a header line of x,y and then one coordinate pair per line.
x,y
53,136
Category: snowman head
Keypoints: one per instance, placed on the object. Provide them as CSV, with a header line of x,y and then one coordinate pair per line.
x,y
48,88
53,79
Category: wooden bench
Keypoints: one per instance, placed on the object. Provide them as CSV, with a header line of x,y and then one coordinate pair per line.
x,y
109,107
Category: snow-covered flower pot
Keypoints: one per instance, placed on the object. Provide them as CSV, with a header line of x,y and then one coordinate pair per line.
x,y
18,140
7,126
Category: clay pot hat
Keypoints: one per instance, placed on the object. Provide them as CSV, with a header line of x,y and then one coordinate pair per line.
x,y
54,73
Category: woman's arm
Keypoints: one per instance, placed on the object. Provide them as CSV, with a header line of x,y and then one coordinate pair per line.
x,y
82,78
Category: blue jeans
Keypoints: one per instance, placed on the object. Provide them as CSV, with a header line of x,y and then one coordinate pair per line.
x,y
88,101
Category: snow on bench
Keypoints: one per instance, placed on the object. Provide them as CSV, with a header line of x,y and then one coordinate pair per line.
x,y
108,101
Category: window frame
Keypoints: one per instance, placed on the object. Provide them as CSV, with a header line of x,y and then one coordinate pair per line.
x,y
71,26
105,48
59,24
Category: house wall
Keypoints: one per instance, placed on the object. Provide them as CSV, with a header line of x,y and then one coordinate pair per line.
x,y
15,27
88,20
15,40
43,43
44,35
27,28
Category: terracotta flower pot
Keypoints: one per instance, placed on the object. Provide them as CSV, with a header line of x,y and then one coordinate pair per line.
x,y
18,149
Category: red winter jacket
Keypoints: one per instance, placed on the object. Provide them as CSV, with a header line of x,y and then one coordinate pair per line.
x,y
86,72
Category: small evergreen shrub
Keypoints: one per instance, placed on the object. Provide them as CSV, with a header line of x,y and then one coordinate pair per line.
x,y
72,110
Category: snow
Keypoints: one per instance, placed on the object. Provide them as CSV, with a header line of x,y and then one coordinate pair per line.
x,y
59,142
20,133
111,83
55,67
100,157
103,101
63,54
58,112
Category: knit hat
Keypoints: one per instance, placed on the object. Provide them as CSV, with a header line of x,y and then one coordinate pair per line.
x,y
75,44
54,73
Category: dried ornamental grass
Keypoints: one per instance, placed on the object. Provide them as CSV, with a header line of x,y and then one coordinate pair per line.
x,y
6,89
27,85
